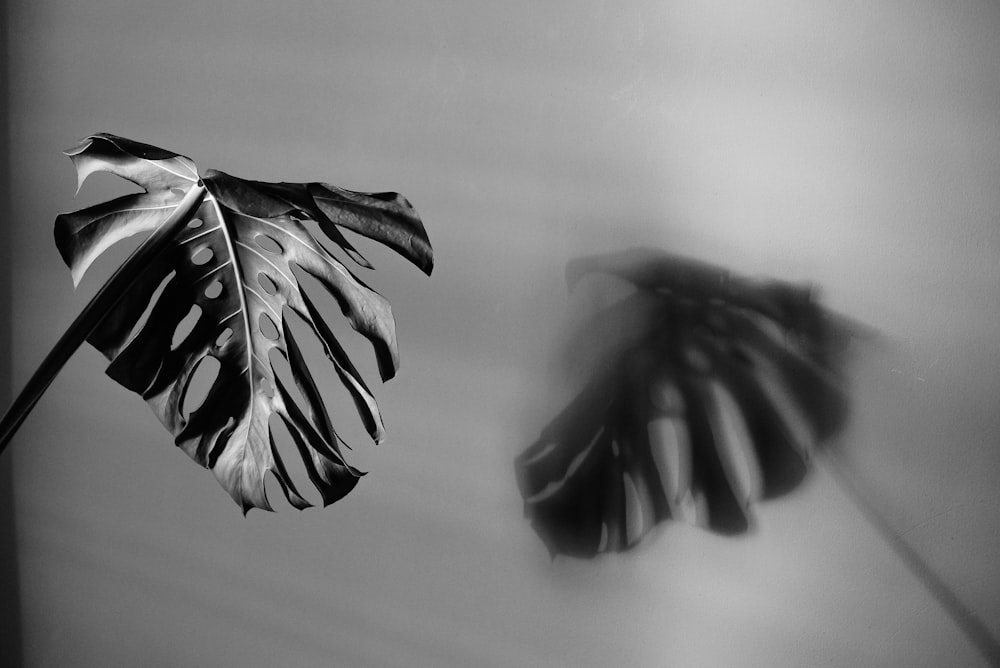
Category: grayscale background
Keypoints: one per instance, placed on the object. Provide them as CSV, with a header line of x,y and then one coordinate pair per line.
x,y
851,144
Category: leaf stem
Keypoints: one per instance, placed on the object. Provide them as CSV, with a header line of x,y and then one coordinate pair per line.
x,y
964,618
95,311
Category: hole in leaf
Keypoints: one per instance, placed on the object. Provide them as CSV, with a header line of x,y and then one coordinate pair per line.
x,y
635,520
735,448
144,318
283,374
185,326
214,290
685,502
666,454
267,327
199,384
202,256
270,287
195,223
224,337
220,444
269,244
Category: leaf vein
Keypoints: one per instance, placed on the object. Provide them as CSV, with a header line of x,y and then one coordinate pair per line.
x,y
98,219
159,163
212,271
199,235
262,299
263,257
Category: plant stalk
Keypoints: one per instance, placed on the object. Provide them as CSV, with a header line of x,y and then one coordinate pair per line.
x,y
966,620
95,311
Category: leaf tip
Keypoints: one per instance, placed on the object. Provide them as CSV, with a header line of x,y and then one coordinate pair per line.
x,y
427,263
77,274
332,493
300,505
359,258
246,505
80,146
388,365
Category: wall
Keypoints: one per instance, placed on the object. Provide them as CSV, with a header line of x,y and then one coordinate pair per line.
x,y
10,604
850,144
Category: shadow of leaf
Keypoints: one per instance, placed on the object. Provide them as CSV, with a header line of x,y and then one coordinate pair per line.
x,y
704,392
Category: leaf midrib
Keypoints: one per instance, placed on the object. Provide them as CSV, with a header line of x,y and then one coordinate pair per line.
x,y
244,312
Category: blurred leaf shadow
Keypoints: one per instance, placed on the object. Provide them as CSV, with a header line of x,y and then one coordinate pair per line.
x,y
702,392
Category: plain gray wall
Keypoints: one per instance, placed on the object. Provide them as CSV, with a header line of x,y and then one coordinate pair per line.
x,y
851,144
10,604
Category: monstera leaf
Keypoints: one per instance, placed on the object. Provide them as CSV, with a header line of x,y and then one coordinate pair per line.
x,y
699,350
229,259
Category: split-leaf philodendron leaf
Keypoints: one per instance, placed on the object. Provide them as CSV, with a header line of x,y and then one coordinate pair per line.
x,y
233,262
